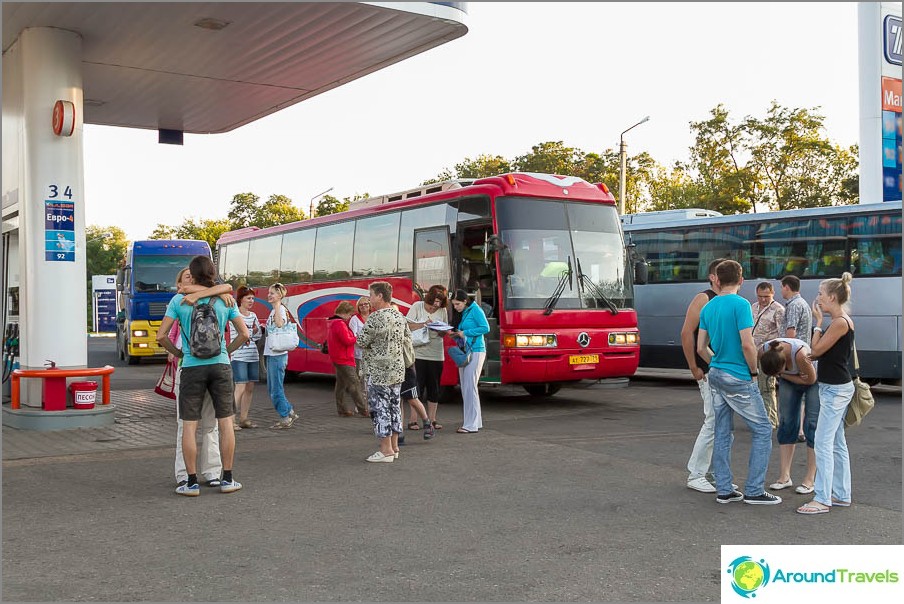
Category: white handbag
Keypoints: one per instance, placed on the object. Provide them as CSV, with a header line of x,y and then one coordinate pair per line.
x,y
420,337
285,338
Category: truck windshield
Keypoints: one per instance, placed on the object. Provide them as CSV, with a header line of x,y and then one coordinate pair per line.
x,y
157,273
542,238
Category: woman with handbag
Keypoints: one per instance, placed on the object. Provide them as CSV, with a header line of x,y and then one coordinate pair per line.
x,y
471,329
832,348
277,359
429,355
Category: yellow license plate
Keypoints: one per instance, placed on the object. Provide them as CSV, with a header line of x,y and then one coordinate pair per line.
x,y
583,359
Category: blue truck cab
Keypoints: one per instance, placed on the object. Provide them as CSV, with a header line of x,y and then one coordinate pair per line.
x,y
145,285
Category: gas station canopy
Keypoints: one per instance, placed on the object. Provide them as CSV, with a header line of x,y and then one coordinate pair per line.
x,y
214,66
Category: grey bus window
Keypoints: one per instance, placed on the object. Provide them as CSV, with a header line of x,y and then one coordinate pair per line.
x,y
376,245
473,209
221,263
417,218
235,267
297,263
333,251
263,261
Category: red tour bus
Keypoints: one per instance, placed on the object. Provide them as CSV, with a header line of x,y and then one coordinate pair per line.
x,y
543,255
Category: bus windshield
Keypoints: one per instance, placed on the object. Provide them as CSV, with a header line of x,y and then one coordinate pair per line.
x,y
543,239
157,273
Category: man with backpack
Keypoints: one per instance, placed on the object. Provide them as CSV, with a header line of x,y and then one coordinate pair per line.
x,y
205,370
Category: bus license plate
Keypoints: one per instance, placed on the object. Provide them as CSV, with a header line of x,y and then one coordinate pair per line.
x,y
583,359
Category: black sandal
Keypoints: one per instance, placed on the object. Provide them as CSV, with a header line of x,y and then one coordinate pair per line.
x,y
414,426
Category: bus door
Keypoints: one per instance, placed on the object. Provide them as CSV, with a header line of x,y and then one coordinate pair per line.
x,y
477,273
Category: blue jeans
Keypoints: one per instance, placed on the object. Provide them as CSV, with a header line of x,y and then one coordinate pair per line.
x,y
833,464
730,396
276,373
790,396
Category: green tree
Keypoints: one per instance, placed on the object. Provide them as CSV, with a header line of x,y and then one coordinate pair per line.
x,y
332,205
550,158
724,180
105,247
798,166
207,229
247,210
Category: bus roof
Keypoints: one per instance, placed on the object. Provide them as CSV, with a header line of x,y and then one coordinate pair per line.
x,y
668,215
194,246
524,184
680,221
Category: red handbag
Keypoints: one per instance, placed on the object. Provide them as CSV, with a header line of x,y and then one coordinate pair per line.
x,y
166,385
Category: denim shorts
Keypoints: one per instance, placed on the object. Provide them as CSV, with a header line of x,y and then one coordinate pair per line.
x,y
246,371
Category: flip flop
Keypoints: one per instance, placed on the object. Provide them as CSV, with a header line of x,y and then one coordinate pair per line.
x,y
437,426
463,431
813,508
840,503
413,426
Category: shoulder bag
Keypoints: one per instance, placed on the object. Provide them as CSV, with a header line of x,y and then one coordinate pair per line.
x,y
461,353
285,338
862,402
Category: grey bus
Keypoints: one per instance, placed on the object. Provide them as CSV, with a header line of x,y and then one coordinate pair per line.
x,y
813,244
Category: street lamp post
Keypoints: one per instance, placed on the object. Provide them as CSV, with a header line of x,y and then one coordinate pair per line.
x,y
623,157
311,214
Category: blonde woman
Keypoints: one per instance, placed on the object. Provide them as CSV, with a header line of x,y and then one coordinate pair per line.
x,y
832,348
277,361
356,324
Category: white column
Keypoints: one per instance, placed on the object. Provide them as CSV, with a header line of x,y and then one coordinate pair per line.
x,y
869,45
52,294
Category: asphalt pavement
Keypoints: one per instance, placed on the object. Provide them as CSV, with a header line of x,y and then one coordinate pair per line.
x,y
579,497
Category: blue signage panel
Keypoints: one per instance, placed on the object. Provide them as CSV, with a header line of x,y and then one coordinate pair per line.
x,y
891,39
105,307
59,231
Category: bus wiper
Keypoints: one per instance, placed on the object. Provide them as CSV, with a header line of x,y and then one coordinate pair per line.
x,y
588,284
560,288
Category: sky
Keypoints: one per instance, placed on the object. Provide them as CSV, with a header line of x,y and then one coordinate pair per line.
x,y
525,73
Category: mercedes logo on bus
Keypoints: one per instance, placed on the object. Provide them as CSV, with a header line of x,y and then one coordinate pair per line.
x,y
584,339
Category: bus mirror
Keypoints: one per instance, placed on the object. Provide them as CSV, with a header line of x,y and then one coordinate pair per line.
x,y
506,263
640,272
119,279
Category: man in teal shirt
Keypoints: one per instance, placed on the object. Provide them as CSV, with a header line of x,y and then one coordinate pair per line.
x,y
203,376
725,342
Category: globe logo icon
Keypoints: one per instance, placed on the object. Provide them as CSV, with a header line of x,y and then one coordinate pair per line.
x,y
748,575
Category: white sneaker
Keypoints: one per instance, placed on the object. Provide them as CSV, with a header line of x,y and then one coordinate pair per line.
x,y
701,484
379,457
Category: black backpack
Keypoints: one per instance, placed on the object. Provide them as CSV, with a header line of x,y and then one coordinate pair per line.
x,y
204,341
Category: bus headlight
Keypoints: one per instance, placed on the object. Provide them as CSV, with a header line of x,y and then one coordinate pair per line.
x,y
139,333
621,338
531,340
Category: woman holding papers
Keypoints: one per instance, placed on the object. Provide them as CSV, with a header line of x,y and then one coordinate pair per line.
x,y
429,358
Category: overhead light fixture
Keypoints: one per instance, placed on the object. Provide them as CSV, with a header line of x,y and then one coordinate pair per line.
x,y
211,23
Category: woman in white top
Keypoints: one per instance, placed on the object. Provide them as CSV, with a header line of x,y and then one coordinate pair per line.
x,y
428,363
789,360
277,361
356,324
245,360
